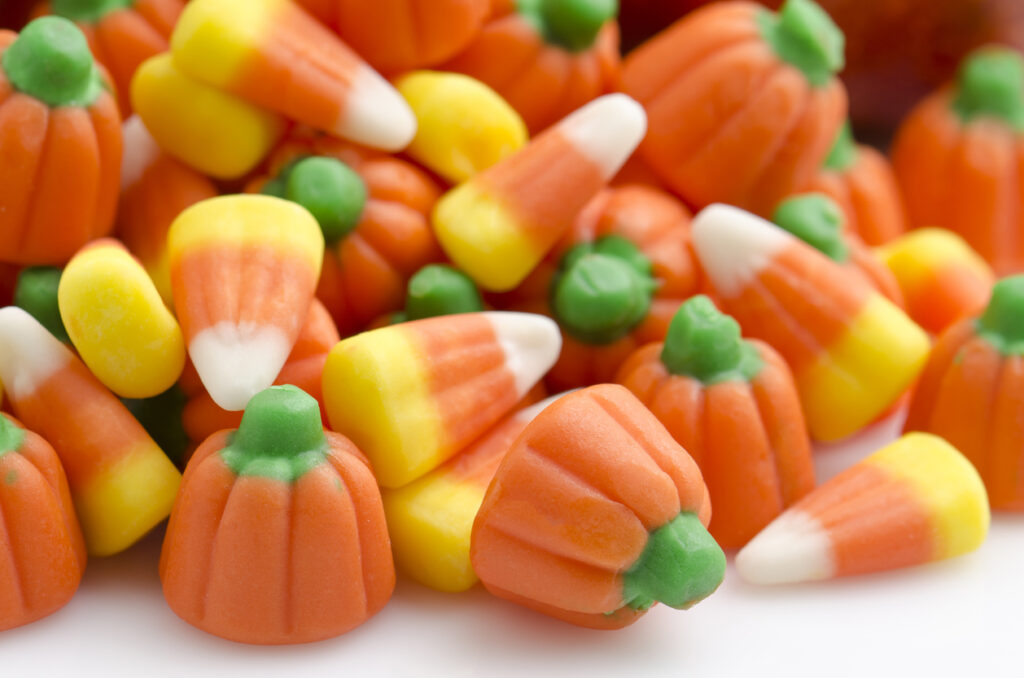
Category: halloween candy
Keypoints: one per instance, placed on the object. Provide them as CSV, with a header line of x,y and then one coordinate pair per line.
x,y
243,270
275,55
972,393
278,534
732,404
851,350
913,502
118,322
498,225
412,395
595,514
122,484
36,292
60,140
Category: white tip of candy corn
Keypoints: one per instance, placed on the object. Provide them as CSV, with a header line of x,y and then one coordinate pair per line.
x,y
733,245
29,354
793,548
237,362
139,151
376,115
607,130
531,344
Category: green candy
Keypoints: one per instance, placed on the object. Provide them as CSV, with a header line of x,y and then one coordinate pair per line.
x,y
1002,323
332,192
50,61
572,24
991,83
36,292
11,437
438,290
817,220
89,11
705,344
803,35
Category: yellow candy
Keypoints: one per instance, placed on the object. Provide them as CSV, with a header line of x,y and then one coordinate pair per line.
x,y
118,322
214,132
464,126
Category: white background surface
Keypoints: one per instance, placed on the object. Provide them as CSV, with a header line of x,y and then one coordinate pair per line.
x,y
963,617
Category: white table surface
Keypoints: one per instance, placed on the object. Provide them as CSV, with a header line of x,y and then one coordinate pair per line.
x,y
963,617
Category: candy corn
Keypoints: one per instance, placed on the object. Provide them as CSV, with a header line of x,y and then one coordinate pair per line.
x,y
122,484
118,322
852,351
243,270
912,502
412,395
498,225
274,54
430,519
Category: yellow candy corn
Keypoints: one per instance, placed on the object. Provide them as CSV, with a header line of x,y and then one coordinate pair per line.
x,y
118,322
463,126
210,130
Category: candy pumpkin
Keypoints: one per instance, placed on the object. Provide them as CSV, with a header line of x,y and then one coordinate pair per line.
x,y
613,283
121,33
742,103
402,35
60,140
545,57
861,180
42,556
374,211
958,155
972,393
278,534
595,514
732,404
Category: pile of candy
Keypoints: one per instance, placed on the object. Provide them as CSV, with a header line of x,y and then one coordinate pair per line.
x,y
267,276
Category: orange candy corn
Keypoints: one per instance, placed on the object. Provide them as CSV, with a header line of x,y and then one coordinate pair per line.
x,y
243,270
595,514
121,482
412,395
915,501
852,351
274,54
498,225
42,555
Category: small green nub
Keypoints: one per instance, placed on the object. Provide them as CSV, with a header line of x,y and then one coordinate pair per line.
x,y
438,290
680,566
50,61
817,220
88,11
844,150
161,417
991,83
704,343
1002,323
281,436
572,24
333,193
803,35
36,292
604,292
11,437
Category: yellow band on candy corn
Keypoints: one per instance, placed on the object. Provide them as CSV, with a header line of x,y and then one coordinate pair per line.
x,y
377,393
947,485
120,505
430,522
863,372
483,238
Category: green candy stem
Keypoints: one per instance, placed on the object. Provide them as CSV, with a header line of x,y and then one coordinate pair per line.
x,y
604,290
332,192
438,290
705,344
803,35
11,437
88,11
572,24
50,61
1002,323
818,221
991,83
36,292
844,150
680,566
281,436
